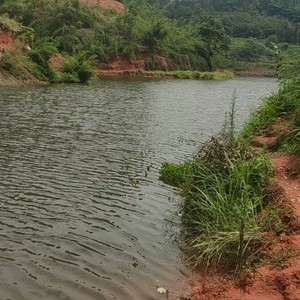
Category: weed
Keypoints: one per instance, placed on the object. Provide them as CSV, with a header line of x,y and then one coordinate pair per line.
x,y
280,259
176,175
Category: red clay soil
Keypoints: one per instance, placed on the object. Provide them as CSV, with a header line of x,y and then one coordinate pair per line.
x,y
278,279
288,179
6,40
123,66
271,133
262,139
109,4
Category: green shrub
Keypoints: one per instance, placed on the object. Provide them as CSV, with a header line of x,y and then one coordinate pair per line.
x,y
78,67
252,50
85,72
207,75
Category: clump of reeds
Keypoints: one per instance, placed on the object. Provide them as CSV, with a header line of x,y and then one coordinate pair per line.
x,y
228,190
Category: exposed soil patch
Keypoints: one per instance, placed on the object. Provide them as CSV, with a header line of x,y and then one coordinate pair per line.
x,y
263,140
6,41
109,4
124,66
288,179
274,131
55,62
263,284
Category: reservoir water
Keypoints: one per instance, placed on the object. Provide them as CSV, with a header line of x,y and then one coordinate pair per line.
x,y
81,206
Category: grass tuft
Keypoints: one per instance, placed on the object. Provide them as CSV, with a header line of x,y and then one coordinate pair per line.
x,y
225,188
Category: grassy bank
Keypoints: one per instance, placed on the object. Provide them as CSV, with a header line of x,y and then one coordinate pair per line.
x,y
217,75
228,204
279,116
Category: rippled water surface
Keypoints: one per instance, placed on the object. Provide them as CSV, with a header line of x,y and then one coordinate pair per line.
x,y
81,206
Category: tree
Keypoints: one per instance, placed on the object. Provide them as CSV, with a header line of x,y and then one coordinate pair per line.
x,y
213,34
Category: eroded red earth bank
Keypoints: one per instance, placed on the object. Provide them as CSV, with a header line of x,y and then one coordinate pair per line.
x,y
110,4
6,40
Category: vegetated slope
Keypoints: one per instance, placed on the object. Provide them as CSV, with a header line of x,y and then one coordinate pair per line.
x,y
86,35
253,25
251,18
15,67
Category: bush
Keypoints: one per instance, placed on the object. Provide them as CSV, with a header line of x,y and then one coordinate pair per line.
x,y
78,67
252,50
85,72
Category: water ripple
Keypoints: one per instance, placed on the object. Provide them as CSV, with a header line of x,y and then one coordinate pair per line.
x,y
81,207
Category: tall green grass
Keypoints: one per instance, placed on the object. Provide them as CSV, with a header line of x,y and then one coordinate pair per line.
x,y
224,190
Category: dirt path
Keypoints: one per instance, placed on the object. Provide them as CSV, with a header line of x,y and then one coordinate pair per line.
x,y
275,280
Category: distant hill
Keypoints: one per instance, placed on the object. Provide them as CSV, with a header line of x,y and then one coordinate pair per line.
x,y
242,18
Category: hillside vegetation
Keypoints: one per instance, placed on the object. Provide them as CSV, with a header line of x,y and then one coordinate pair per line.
x,y
253,25
69,38
243,18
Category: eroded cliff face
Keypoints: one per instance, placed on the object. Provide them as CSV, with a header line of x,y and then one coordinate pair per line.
x,y
109,4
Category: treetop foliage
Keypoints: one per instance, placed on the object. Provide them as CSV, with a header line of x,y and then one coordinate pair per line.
x,y
242,18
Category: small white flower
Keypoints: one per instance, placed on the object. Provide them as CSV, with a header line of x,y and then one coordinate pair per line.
x,y
161,290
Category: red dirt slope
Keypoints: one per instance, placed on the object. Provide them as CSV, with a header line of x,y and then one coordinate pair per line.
x,y
110,4
6,40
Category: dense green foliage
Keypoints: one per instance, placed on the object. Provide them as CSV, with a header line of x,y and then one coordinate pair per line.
x,y
243,18
252,25
184,35
72,28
